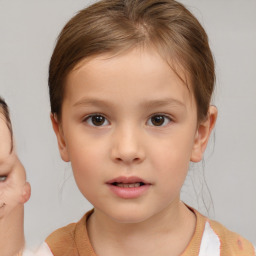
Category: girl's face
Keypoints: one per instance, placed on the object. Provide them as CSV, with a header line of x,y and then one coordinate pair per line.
x,y
129,127
14,190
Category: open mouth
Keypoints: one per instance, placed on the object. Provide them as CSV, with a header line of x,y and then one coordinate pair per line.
x,y
128,185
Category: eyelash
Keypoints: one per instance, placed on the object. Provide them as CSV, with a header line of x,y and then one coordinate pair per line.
x,y
89,118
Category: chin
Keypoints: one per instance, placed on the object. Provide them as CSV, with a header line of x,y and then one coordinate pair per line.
x,y
129,216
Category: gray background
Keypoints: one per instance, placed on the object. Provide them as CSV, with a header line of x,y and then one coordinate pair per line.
x,y
28,32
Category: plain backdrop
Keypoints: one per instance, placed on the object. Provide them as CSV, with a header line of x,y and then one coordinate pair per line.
x,y
28,32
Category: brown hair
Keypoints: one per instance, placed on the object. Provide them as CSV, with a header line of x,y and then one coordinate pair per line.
x,y
5,111
114,26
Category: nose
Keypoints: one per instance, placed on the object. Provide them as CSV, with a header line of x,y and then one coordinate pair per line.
x,y
127,146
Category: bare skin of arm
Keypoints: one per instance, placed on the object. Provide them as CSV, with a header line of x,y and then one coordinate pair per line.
x,y
14,192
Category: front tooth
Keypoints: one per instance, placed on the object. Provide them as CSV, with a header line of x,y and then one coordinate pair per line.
x,y
132,185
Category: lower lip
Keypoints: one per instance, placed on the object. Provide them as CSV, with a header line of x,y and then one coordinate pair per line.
x,y
129,193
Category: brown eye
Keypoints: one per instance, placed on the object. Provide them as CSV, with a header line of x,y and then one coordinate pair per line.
x,y
159,120
97,120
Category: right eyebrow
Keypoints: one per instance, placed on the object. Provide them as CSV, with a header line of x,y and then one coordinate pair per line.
x,y
92,102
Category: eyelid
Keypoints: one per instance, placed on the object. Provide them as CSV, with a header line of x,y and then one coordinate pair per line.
x,y
162,114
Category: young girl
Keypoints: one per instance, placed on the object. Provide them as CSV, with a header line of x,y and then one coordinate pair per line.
x,y
130,88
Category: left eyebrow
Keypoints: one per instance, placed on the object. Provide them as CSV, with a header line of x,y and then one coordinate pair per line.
x,y
162,102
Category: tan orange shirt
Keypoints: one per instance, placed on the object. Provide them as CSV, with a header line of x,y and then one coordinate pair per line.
x,y
210,239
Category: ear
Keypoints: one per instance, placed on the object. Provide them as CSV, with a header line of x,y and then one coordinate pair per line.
x,y
56,125
203,134
26,193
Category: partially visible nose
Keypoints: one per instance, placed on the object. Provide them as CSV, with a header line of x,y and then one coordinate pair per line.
x,y
127,146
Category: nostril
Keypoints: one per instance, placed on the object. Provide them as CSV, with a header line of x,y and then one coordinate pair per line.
x,y
137,159
127,155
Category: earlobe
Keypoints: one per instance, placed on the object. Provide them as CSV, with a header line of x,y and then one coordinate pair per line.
x,y
60,137
203,134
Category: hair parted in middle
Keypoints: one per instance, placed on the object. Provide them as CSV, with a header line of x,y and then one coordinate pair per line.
x,y
116,26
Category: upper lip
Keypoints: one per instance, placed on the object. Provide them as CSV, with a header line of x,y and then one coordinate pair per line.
x,y
127,180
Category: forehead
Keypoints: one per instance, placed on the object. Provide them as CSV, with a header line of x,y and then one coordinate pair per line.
x,y
129,72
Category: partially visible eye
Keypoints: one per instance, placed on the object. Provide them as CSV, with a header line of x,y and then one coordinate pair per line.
x,y
3,178
96,120
159,120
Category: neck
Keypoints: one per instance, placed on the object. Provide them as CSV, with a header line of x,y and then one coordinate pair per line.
x,y
12,232
145,238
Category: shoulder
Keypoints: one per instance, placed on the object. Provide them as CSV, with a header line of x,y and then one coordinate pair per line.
x,y
219,239
61,236
43,250
231,241
62,241
67,240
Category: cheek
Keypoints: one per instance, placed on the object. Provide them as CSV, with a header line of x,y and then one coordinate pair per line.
x,y
85,150
172,153
12,189
10,196
87,162
171,159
